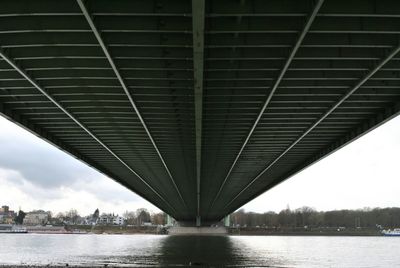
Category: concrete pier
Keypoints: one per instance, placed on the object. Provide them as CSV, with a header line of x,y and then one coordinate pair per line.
x,y
179,230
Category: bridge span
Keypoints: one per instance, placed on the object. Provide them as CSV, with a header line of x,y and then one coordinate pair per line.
x,y
199,106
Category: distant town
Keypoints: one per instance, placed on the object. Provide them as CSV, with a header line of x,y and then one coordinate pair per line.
x,y
40,221
140,217
302,221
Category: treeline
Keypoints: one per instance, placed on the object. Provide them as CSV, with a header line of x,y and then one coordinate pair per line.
x,y
306,216
142,215
72,217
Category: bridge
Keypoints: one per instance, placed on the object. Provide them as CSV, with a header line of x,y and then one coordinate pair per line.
x,y
199,106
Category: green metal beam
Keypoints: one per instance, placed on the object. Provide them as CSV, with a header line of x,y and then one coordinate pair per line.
x,y
364,128
126,90
363,80
199,72
271,93
80,124
198,17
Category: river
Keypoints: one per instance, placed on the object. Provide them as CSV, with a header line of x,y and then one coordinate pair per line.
x,y
209,251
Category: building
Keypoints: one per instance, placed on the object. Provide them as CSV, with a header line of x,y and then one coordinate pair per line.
x,y
37,217
118,220
111,219
7,216
4,209
106,219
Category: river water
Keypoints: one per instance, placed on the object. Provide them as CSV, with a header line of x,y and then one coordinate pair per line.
x,y
208,251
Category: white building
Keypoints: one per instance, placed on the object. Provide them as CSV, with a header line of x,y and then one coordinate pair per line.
x,y
105,219
118,220
38,217
111,219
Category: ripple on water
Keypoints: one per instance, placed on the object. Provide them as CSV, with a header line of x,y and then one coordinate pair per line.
x,y
198,251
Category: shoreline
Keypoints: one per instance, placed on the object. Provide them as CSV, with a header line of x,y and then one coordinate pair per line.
x,y
228,234
26,265
304,232
244,231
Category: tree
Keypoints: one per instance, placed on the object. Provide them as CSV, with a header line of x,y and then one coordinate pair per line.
x,y
72,216
158,218
19,219
130,217
285,218
142,216
96,214
50,215
306,216
60,216
239,218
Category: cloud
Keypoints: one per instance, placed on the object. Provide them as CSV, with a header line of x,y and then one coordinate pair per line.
x,y
108,196
35,174
40,162
365,173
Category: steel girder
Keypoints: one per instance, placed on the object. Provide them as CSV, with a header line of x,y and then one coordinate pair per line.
x,y
199,106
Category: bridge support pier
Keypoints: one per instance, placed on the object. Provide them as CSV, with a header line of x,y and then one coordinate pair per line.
x,y
227,221
198,221
169,220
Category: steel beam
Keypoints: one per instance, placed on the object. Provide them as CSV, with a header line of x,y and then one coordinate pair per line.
x,y
273,89
363,129
391,55
126,90
82,126
21,121
198,17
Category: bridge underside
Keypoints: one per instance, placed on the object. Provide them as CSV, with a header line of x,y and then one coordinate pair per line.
x,y
199,106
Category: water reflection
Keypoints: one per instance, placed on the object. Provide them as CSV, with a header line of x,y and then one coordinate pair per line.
x,y
142,251
214,251
197,250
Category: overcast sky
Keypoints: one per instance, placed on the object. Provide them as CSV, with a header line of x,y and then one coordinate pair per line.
x,y
35,175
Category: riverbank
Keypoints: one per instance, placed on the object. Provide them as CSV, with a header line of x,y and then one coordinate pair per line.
x,y
251,231
322,231
60,265
110,229
246,231
53,266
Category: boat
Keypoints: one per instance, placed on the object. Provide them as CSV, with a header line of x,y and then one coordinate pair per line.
x,y
394,232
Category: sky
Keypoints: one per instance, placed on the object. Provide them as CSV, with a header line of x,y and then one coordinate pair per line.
x,y
36,175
